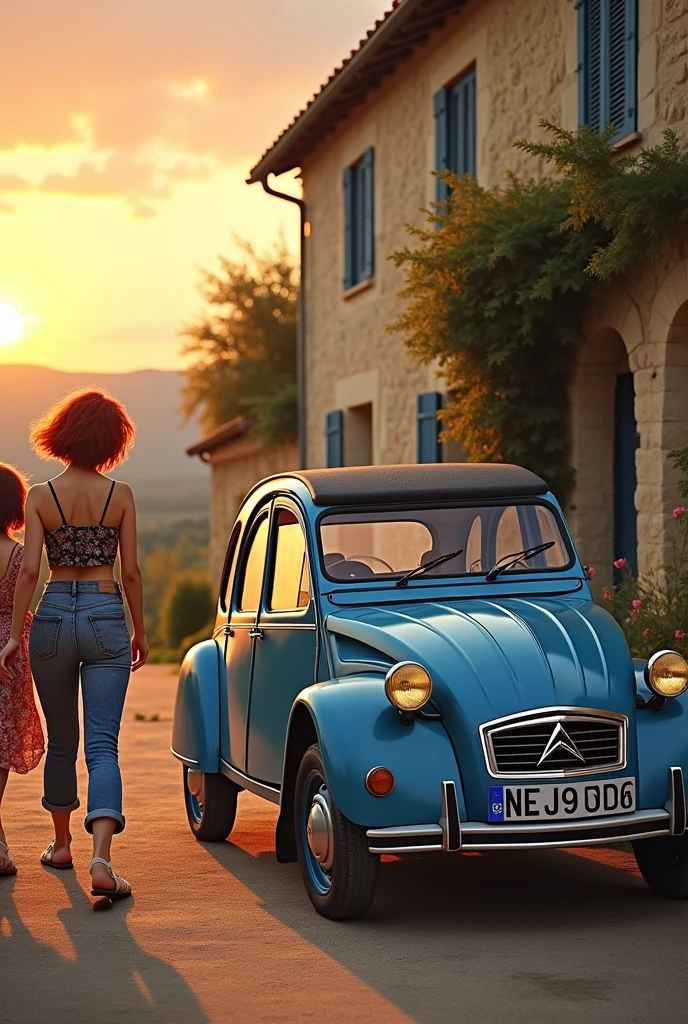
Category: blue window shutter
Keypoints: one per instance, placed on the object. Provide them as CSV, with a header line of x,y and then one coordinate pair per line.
x,y
427,407
441,141
348,186
466,125
334,433
366,172
607,56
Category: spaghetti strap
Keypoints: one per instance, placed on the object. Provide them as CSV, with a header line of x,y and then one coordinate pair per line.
x,y
59,507
107,503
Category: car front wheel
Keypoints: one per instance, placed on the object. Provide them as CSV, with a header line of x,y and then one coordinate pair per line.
x,y
338,871
663,863
211,804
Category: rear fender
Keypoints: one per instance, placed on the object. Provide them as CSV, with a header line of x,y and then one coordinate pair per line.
x,y
196,727
358,729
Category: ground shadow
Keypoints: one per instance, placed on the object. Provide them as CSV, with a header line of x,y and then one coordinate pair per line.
x,y
534,935
111,980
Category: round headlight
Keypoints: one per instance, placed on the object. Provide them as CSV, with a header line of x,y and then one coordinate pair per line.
x,y
408,686
667,674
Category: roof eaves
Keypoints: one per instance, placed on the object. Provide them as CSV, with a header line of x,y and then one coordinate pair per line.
x,y
376,38
232,431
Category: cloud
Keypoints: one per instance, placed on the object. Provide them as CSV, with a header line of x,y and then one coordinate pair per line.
x,y
168,89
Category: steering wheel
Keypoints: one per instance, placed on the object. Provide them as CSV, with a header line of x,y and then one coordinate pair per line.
x,y
363,558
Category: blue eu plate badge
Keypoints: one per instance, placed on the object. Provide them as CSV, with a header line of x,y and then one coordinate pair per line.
x,y
496,803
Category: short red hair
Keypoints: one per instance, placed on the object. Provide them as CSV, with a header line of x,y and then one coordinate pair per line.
x,y
88,428
13,488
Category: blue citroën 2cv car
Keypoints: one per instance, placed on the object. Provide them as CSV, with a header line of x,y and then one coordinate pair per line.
x,y
408,659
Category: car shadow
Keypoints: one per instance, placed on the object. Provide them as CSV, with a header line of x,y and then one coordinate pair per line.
x,y
557,932
105,977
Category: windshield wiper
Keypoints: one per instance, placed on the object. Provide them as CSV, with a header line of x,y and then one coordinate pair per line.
x,y
420,570
517,556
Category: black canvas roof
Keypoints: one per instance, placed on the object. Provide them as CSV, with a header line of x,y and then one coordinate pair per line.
x,y
435,482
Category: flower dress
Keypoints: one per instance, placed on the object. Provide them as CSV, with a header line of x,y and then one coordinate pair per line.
x,y
21,734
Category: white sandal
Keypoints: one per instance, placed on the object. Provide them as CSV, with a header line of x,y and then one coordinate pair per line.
x,y
122,887
7,866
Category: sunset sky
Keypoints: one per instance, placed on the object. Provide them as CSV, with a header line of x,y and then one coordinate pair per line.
x,y
126,132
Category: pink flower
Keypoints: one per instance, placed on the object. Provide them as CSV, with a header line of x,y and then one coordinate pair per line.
x,y
646,633
678,512
637,605
619,563
591,570
607,597
679,635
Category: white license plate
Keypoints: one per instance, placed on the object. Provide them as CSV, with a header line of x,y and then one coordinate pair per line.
x,y
562,800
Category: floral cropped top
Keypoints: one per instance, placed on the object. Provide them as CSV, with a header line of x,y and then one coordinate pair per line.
x,y
81,546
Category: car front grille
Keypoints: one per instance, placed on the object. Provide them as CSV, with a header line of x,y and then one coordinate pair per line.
x,y
555,742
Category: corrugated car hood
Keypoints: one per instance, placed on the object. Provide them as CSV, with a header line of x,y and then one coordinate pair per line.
x,y
495,657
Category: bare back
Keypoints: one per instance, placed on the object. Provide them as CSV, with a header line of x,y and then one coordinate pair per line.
x,y
83,496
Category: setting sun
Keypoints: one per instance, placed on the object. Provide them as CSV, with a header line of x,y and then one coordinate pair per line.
x,y
11,324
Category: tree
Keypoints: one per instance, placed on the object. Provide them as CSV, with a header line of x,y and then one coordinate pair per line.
x,y
243,348
186,608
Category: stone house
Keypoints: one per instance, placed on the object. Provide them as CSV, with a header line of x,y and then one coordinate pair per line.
x,y
453,83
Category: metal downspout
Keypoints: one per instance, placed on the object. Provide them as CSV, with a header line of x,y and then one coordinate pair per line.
x,y
301,321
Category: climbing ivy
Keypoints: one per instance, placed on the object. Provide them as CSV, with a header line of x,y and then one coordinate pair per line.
x,y
498,280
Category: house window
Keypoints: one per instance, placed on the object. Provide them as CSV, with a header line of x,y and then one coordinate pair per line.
x,y
607,64
454,108
428,445
334,438
359,226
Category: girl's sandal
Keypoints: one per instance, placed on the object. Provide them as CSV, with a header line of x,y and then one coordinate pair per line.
x,y
7,866
47,859
122,888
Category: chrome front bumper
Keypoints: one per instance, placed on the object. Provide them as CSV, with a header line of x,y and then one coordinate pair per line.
x,y
450,834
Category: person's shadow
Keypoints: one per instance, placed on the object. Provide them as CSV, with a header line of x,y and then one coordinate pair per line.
x,y
111,980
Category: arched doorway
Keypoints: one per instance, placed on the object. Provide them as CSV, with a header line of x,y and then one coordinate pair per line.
x,y
604,439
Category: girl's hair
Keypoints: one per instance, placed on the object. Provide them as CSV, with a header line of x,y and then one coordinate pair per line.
x,y
88,428
13,488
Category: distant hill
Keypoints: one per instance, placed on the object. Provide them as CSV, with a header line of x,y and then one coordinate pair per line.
x,y
165,479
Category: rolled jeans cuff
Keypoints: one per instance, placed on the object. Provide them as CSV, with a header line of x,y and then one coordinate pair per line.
x,y
104,812
56,809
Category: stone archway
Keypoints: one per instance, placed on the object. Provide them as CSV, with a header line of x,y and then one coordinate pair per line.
x,y
603,441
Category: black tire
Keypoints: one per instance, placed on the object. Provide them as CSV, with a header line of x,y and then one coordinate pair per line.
x,y
663,863
211,819
352,876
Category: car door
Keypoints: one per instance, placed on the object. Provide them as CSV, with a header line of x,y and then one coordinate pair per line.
x,y
241,636
285,653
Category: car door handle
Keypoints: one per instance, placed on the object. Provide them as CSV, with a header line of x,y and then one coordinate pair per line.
x,y
228,631
256,633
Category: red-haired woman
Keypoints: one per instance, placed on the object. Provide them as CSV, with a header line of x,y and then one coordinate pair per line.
x,y
79,629
21,735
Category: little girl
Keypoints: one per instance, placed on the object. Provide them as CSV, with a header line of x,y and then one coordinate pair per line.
x,y
21,736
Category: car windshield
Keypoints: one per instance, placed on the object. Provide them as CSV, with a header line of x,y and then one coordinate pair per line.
x,y
363,545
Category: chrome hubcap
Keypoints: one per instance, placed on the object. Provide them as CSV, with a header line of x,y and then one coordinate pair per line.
x,y
319,830
195,782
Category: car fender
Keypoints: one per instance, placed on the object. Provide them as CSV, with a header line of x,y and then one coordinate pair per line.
x,y
662,742
358,729
196,725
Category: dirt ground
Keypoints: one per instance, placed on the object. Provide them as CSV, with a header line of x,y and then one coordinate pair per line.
x,y
222,933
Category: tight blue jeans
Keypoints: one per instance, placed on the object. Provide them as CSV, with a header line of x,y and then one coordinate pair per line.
x,y
79,629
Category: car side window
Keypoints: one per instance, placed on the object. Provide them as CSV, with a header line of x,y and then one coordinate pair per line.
x,y
290,588
252,582
229,567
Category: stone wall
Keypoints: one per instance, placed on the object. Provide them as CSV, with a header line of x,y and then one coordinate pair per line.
x,y
235,468
525,55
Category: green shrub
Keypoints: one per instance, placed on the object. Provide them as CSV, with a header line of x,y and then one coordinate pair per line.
x,y
188,606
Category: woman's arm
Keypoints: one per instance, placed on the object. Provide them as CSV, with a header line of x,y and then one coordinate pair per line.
x,y
26,580
131,577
